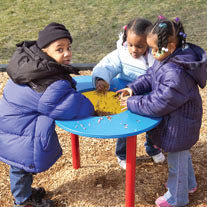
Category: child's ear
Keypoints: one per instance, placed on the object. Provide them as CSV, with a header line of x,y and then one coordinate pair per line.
x,y
172,47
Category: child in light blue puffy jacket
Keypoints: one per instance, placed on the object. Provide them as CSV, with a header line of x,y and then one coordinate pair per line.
x,y
130,60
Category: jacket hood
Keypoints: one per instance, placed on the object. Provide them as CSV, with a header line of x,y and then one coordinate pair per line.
x,y
30,65
194,60
29,52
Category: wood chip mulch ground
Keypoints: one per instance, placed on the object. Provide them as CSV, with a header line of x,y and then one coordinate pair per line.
x,y
100,182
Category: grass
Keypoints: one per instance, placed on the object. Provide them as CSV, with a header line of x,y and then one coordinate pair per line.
x,y
94,24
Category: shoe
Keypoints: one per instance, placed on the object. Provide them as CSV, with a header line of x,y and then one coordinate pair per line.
x,y
161,202
34,202
38,192
159,158
122,163
193,190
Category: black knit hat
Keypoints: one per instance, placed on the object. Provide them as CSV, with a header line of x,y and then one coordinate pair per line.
x,y
52,32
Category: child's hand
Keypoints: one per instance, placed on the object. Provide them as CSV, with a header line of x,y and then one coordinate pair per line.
x,y
102,86
125,94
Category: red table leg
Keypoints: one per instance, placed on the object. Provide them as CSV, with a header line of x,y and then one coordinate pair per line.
x,y
130,171
75,151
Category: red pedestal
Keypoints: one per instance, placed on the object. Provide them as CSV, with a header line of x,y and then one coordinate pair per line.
x,y
75,150
130,171
130,165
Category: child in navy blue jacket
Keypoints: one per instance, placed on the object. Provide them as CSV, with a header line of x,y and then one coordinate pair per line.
x,y
40,90
170,89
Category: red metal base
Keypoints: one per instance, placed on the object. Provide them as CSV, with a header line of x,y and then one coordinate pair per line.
x,y
75,151
130,171
130,165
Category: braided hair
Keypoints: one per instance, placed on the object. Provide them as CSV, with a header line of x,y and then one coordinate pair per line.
x,y
165,28
138,26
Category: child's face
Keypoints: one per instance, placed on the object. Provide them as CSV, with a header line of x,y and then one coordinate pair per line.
x,y
137,44
152,41
60,50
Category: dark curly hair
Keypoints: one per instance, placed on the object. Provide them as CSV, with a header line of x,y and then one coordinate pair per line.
x,y
138,26
165,28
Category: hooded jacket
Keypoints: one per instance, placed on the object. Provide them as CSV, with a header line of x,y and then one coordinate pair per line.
x,y
171,91
119,63
28,139
29,65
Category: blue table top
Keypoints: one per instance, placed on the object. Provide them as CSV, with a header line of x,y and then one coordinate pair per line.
x,y
114,126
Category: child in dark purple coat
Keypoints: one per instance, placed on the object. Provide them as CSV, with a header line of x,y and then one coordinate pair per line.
x,y
169,89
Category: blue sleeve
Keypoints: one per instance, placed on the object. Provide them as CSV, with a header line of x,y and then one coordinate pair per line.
x,y
142,84
170,92
107,68
60,101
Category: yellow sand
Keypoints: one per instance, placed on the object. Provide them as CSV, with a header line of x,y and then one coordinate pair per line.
x,y
104,103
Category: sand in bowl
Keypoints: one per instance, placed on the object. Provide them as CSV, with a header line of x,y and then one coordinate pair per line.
x,y
104,103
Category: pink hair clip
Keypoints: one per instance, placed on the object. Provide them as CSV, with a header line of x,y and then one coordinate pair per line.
x,y
161,17
125,27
